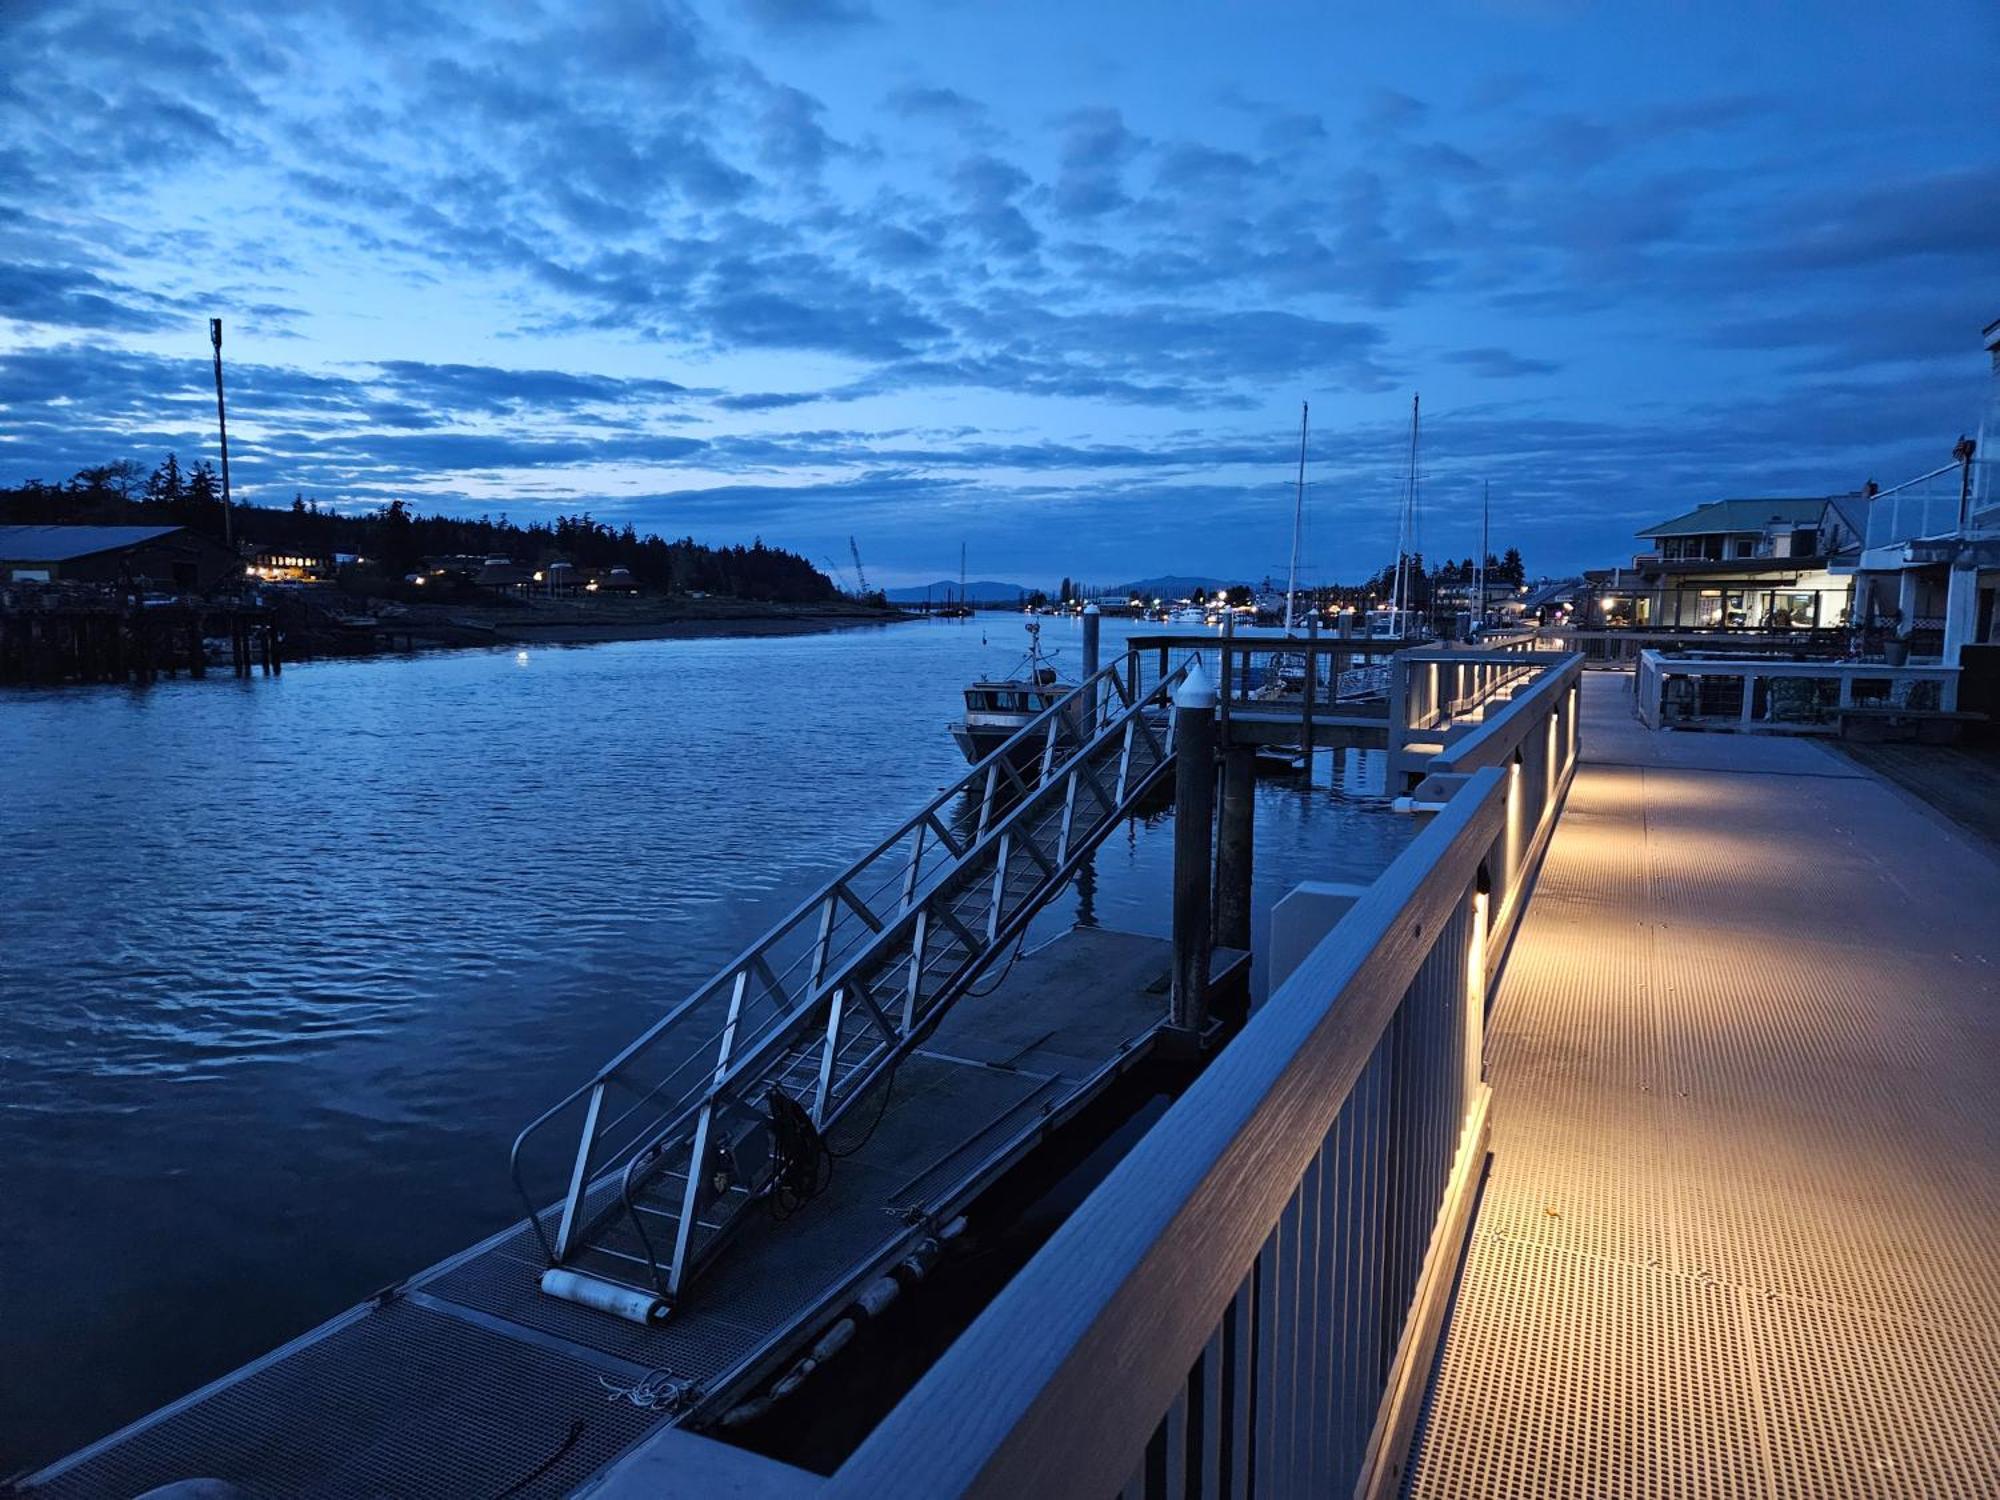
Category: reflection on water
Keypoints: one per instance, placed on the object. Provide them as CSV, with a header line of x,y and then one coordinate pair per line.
x,y
289,961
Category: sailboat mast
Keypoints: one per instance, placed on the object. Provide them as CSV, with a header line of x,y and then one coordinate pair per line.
x,y
1406,531
1479,570
1298,519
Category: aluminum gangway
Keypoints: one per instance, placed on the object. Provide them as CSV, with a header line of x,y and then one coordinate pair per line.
x,y
725,1104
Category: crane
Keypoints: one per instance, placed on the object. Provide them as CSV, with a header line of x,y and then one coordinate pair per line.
x,y
860,576
838,574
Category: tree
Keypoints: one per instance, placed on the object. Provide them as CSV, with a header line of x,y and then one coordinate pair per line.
x,y
165,486
1511,569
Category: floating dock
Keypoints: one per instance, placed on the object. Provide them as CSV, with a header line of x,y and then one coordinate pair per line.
x,y
467,1379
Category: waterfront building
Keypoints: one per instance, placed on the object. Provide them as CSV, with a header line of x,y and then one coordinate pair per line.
x,y
1777,564
164,557
1929,565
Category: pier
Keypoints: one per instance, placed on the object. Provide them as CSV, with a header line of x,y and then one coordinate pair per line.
x,y
81,636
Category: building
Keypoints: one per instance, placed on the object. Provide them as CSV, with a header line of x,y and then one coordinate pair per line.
x,y
155,557
1927,575
1757,564
278,565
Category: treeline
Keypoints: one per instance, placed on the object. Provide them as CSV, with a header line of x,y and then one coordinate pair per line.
x,y
397,540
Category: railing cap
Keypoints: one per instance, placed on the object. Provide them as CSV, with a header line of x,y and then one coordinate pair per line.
x,y
1195,691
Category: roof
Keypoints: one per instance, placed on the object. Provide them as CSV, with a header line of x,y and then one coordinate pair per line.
x,y
54,544
1740,515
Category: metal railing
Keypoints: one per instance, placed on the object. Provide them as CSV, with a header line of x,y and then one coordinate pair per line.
x,y
1780,697
1249,1302
836,993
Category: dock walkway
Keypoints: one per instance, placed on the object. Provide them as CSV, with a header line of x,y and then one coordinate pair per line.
x,y
1740,1232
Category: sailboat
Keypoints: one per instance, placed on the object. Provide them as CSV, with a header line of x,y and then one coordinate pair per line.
x,y
1400,621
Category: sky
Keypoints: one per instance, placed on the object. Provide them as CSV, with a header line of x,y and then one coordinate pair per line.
x,y
1048,281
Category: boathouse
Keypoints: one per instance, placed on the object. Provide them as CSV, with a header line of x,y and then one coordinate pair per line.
x,y
159,556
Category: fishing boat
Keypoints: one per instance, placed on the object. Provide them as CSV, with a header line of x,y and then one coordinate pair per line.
x,y
996,708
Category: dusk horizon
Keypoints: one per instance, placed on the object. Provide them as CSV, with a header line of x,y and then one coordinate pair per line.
x,y
808,269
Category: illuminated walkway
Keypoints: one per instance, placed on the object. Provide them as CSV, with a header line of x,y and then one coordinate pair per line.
x,y
1742,1228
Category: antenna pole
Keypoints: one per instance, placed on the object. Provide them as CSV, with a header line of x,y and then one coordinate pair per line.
x,y
222,430
1298,518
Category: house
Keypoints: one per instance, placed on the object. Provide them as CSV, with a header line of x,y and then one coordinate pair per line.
x,y
279,565
1927,572
157,557
1757,564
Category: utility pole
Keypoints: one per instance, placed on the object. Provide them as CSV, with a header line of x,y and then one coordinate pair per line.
x,y
222,430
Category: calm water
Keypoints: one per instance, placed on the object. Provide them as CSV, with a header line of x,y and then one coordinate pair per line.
x,y
284,964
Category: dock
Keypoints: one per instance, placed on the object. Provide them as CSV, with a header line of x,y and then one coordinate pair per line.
x,y
466,1379
1740,1233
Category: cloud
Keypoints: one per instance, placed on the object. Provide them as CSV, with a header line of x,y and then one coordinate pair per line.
x,y
920,103
1500,364
988,188
814,16
1096,147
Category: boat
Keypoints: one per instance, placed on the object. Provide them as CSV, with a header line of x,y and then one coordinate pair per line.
x,y
1400,622
996,708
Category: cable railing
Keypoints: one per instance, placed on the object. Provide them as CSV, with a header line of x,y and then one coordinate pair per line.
x,y
701,1114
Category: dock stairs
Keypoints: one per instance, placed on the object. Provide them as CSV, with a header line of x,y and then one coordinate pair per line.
x,y
726,1104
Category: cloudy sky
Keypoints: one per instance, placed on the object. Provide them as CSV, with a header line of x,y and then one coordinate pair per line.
x,y
1046,279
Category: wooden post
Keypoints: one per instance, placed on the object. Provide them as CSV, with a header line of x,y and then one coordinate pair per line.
x,y
197,658
1093,625
1235,846
1194,848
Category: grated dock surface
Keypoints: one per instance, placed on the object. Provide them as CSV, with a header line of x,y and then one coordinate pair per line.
x,y
469,1381
1739,1237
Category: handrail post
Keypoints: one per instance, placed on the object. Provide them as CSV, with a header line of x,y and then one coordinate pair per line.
x,y
1194,844
1093,624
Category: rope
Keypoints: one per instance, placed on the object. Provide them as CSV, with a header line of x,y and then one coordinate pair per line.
x,y
656,1390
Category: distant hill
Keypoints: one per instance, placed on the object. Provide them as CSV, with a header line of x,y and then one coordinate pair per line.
x,y
1173,586
980,591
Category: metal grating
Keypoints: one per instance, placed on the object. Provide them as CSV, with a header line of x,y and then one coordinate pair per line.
x,y
1739,1234
403,1402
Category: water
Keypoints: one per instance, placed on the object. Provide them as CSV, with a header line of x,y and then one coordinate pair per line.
x,y
285,963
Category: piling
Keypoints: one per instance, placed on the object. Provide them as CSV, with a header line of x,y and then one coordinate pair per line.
x,y
1312,687
1235,846
1228,676
1093,625
1194,848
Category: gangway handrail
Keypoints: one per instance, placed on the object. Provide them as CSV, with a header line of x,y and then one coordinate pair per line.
x,y
860,937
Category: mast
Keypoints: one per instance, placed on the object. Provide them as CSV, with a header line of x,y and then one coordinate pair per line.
x,y
222,431
1406,531
1298,518
1479,568
961,575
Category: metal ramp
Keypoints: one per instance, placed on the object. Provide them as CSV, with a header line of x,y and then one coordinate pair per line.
x,y
725,1103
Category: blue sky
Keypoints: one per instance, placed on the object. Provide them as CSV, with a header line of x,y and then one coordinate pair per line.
x,y
1048,280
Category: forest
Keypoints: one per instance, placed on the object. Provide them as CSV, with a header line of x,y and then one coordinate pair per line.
x,y
396,539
